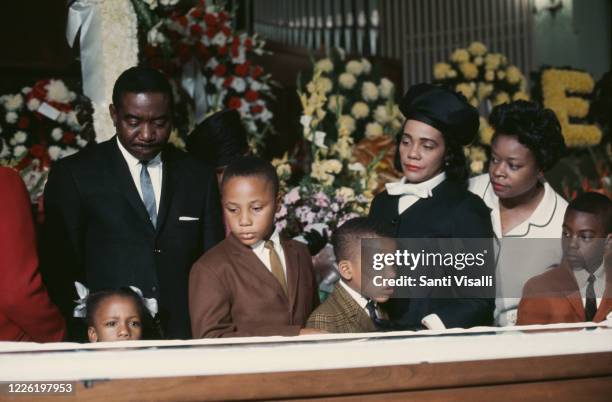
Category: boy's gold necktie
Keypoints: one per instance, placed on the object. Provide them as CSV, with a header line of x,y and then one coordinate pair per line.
x,y
275,264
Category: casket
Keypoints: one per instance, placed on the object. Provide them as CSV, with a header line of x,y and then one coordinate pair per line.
x,y
566,362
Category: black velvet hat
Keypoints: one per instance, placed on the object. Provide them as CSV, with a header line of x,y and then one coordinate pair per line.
x,y
443,109
219,139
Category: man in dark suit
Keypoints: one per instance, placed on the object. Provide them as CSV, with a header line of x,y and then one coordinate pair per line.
x,y
131,210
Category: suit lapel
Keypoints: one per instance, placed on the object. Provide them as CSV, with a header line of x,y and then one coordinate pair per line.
x,y
605,307
573,294
123,179
169,180
292,264
355,315
247,261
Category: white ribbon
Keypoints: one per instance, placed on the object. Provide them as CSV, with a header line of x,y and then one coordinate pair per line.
x,y
194,82
80,311
400,188
83,15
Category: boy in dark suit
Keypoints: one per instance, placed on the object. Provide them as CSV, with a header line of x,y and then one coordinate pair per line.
x,y
352,307
580,288
253,283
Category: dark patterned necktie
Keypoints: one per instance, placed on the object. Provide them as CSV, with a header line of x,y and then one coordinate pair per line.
x,y
148,196
380,323
590,307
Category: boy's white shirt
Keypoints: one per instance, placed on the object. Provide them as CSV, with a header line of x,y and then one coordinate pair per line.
x,y
582,278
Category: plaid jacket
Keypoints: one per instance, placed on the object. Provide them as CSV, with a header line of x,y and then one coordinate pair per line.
x,y
340,313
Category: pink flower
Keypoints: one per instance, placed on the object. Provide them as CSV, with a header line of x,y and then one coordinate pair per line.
x,y
292,196
282,212
321,199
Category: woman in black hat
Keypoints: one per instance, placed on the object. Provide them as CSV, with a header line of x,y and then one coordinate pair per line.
x,y
527,142
432,200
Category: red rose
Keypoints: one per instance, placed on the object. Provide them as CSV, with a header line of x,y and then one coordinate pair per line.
x,y
220,70
234,103
255,109
242,70
248,43
68,137
23,122
251,95
223,16
257,72
210,20
202,51
228,81
196,30
196,12
37,150
235,50
222,50
226,30
184,52
182,20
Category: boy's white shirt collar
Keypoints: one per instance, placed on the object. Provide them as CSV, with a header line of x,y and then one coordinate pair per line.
x,y
358,297
582,278
259,246
264,255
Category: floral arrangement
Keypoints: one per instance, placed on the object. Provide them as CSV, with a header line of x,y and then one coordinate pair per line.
x,y
199,49
572,111
335,187
485,78
358,104
42,123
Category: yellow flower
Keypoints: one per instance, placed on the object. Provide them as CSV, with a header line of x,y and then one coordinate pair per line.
x,y
484,90
324,85
336,103
441,70
324,65
373,131
369,91
354,67
489,75
360,110
343,147
513,75
492,61
478,60
382,115
520,95
501,97
466,89
460,56
501,74
347,123
486,131
469,70
386,88
477,48
451,73
346,193
347,80
476,167
474,102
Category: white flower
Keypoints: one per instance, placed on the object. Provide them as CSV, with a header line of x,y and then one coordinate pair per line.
x,y
336,102
20,137
382,115
324,65
360,110
26,90
220,39
373,130
72,120
346,122
320,139
61,118
265,116
151,3
255,85
238,84
57,134
33,104
67,152
305,121
332,165
369,92
367,66
354,67
347,194
356,167
57,91
155,37
54,152
11,117
347,80
168,2
386,88
12,103
19,150
81,142
212,63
